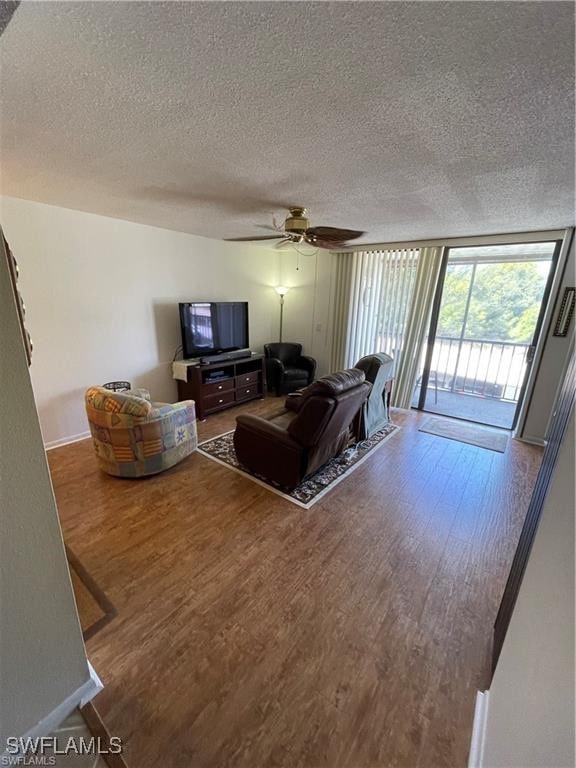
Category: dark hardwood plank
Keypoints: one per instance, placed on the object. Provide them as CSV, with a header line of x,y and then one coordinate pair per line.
x,y
99,731
94,608
250,632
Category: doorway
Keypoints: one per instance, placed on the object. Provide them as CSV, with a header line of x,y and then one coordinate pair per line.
x,y
485,323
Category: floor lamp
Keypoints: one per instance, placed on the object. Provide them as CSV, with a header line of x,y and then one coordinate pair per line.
x,y
281,290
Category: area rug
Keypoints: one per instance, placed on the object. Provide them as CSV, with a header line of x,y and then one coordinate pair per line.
x,y
492,439
221,449
94,608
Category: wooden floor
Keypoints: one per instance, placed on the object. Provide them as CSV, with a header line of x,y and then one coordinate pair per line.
x,y
251,633
94,608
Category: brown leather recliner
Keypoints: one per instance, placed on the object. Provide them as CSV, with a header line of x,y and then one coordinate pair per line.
x,y
295,443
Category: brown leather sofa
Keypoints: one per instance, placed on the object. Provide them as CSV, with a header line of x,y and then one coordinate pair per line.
x,y
315,427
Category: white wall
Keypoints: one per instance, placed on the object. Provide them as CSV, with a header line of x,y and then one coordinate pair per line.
x,y
552,365
101,297
308,304
42,657
531,702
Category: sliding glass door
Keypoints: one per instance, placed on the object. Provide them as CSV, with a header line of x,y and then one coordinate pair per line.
x,y
484,327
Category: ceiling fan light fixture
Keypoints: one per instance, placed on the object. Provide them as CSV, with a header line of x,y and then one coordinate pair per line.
x,y
297,223
305,248
298,232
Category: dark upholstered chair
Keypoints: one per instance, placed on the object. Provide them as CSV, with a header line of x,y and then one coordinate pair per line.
x,y
287,368
297,442
379,371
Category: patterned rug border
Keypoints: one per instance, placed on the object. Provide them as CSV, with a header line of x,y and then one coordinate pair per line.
x,y
277,491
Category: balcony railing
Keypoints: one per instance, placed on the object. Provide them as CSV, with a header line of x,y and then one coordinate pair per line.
x,y
492,369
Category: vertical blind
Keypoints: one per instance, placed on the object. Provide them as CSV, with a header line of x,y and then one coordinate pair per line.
x,y
372,303
418,318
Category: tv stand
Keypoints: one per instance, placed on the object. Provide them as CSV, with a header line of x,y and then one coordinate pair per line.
x,y
216,386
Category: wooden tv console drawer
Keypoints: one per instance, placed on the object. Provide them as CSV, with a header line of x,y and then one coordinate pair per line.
x,y
247,378
218,401
246,393
217,386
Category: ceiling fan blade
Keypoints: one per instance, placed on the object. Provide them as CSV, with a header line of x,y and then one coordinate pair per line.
x,y
283,242
270,228
330,245
279,236
333,234
333,246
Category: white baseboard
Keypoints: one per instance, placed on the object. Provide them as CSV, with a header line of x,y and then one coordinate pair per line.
x,y
66,440
476,759
95,688
56,717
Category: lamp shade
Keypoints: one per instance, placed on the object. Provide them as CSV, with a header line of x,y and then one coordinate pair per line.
x,y
281,290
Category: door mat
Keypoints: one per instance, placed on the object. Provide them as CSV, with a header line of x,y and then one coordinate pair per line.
x,y
491,439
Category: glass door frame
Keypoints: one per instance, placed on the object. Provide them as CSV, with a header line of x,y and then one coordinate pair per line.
x,y
435,314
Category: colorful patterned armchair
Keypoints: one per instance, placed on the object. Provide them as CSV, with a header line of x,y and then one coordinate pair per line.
x,y
134,437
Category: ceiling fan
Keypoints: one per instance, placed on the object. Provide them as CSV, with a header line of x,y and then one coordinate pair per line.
x,y
296,229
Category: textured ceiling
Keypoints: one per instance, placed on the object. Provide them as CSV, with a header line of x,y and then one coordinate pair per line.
x,y
405,119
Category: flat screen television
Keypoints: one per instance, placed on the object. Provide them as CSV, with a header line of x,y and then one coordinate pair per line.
x,y
213,327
